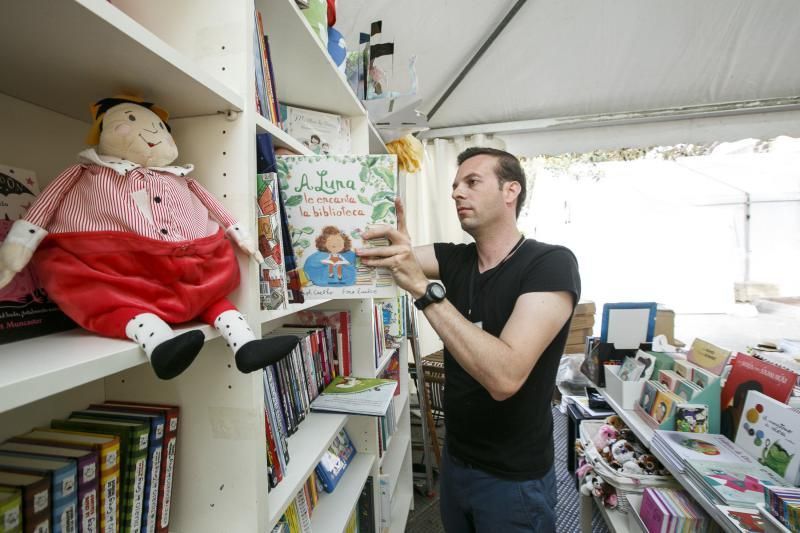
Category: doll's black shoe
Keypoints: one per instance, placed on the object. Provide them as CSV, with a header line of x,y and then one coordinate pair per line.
x,y
172,357
258,353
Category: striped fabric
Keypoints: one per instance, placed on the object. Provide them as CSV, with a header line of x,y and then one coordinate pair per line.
x,y
145,201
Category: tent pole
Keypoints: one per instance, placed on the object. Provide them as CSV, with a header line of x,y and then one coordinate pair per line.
x,y
474,59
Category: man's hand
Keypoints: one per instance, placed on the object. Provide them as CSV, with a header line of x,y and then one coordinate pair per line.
x,y
398,257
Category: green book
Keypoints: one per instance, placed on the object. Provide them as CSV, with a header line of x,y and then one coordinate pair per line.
x,y
10,510
133,438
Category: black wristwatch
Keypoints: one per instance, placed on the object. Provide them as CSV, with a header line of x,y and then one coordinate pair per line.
x,y
434,292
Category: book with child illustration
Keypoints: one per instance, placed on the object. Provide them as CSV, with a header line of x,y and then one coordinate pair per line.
x,y
330,202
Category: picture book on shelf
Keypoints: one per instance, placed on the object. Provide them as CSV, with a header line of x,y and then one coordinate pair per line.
x,y
25,309
335,460
770,431
702,447
358,396
322,133
746,519
691,417
749,373
707,356
330,201
686,389
272,273
631,369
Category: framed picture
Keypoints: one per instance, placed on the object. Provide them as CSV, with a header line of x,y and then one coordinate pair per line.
x,y
628,324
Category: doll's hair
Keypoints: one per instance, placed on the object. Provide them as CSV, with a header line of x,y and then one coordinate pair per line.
x,y
99,109
329,231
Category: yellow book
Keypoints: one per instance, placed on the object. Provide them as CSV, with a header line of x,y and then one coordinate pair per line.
x,y
107,447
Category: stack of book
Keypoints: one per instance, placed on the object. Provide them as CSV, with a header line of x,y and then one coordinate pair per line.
x,y
105,468
676,448
669,510
732,483
581,327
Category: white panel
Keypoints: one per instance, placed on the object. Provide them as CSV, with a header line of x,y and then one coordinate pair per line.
x,y
37,139
40,413
333,509
221,468
94,50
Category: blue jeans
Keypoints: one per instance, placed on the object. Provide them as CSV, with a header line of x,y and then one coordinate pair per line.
x,y
475,501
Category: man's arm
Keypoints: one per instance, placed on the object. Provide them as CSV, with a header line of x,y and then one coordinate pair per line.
x,y
426,257
500,364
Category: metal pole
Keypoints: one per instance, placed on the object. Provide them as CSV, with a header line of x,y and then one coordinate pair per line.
x,y
422,397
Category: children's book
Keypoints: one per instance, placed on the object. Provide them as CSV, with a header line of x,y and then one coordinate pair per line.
x,y
702,447
10,510
335,460
770,432
686,389
734,483
25,309
322,133
330,201
631,369
340,322
35,495
746,519
707,356
663,405
648,395
358,396
749,373
272,273
668,378
691,417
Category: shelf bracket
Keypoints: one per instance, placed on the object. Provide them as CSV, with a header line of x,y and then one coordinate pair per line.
x,y
230,114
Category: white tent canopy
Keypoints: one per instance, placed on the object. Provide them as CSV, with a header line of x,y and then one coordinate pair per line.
x,y
565,58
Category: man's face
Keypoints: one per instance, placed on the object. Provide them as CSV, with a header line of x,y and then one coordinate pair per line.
x,y
476,191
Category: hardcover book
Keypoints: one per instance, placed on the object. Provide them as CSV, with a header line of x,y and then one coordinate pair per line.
x,y
322,133
749,373
25,309
335,460
691,417
10,510
707,356
358,396
35,494
272,274
734,483
746,519
770,432
330,202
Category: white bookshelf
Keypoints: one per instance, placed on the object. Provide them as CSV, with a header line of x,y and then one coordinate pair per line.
x,y
639,427
58,58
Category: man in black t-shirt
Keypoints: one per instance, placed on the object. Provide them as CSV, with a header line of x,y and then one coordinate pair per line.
x,y
504,324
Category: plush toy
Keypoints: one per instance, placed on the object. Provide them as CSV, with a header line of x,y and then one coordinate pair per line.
x,y
605,435
622,452
616,421
127,245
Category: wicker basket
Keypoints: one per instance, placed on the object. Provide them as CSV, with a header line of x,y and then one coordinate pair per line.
x,y
623,483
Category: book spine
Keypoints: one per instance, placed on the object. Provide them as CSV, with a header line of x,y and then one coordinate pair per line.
x,y
277,412
11,514
152,484
167,470
137,478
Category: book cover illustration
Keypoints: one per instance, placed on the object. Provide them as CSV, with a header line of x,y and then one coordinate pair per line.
x,y
691,418
334,460
329,202
770,432
663,406
707,356
649,392
322,133
363,396
706,447
736,483
272,275
749,373
686,389
746,519
25,309
631,369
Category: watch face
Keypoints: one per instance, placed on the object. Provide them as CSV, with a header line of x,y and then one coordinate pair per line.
x,y
437,291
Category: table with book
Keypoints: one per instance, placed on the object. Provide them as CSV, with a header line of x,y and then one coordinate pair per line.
x,y
743,480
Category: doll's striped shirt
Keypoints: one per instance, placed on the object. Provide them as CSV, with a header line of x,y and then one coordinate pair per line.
x,y
145,201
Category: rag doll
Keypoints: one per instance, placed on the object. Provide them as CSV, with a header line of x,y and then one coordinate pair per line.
x,y
127,245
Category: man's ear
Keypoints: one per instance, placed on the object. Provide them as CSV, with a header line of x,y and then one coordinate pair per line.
x,y
512,190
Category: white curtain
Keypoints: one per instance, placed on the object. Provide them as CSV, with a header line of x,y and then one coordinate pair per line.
x,y
430,211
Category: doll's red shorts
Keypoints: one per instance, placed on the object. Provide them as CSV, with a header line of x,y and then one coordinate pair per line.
x,y
103,279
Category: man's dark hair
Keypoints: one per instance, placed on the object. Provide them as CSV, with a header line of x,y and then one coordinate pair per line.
x,y
508,168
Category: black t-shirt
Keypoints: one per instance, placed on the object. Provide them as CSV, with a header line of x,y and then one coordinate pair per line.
x,y
512,438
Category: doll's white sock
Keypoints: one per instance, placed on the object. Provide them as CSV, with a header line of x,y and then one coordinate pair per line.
x,y
234,329
148,331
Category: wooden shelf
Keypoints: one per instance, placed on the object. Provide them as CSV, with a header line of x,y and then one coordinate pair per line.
x,y
292,42
280,137
334,509
40,367
306,447
89,49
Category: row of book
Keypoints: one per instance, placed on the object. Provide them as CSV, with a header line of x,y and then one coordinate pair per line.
x,y
671,511
297,516
784,504
266,92
106,468
290,385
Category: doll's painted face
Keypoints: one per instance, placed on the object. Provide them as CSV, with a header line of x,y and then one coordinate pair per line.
x,y
335,243
137,134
